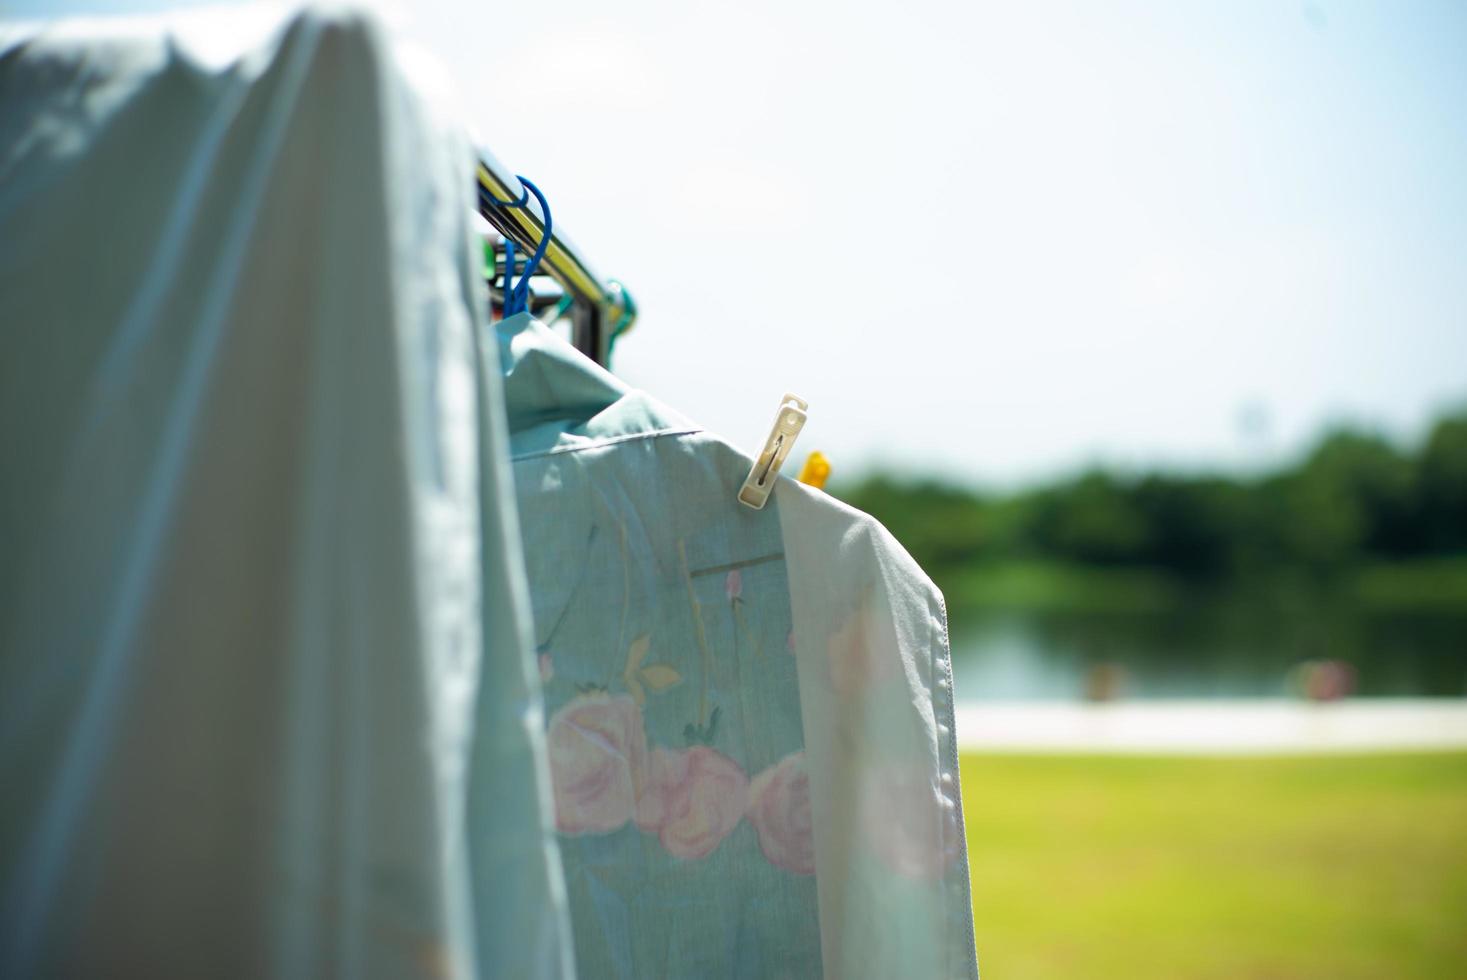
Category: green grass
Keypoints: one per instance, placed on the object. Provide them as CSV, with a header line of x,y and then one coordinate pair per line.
x,y
1327,867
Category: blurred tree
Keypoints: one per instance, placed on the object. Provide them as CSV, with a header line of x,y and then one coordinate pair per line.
x,y
1354,497
1441,496
1350,492
940,523
1095,519
1202,527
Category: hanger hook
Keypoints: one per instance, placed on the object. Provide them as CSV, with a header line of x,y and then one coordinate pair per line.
x,y
517,297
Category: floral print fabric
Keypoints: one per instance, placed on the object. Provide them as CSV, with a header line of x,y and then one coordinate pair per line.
x,y
672,697
750,751
604,776
779,809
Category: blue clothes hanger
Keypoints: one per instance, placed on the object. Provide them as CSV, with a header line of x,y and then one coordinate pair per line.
x,y
517,296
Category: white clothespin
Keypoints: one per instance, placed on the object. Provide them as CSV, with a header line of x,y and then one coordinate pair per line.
x,y
787,425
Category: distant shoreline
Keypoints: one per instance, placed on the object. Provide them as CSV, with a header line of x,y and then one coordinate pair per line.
x,y
1213,727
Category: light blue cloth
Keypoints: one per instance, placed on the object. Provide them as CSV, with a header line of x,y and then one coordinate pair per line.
x,y
750,729
263,625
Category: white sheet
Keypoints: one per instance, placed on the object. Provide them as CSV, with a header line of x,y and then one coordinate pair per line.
x,y
260,570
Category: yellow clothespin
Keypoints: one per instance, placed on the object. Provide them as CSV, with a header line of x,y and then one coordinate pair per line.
x,y
816,470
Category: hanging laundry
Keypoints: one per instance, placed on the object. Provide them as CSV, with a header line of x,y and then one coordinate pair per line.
x,y
750,711
263,634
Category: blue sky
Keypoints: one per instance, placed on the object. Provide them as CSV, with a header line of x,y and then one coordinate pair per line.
x,y
1002,240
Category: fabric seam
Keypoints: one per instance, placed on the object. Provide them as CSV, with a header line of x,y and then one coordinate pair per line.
x,y
609,441
951,750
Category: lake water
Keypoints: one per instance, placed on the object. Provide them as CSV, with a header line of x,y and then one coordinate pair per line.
x,y
1204,651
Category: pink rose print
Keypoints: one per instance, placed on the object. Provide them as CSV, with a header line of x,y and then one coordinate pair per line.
x,y
779,809
692,800
598,761
547,668
909,824
859,659
733,585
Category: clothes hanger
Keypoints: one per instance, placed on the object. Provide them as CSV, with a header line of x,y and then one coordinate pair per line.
x,y
598,310
517,297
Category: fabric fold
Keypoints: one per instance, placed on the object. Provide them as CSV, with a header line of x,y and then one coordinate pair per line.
x,y
263,622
